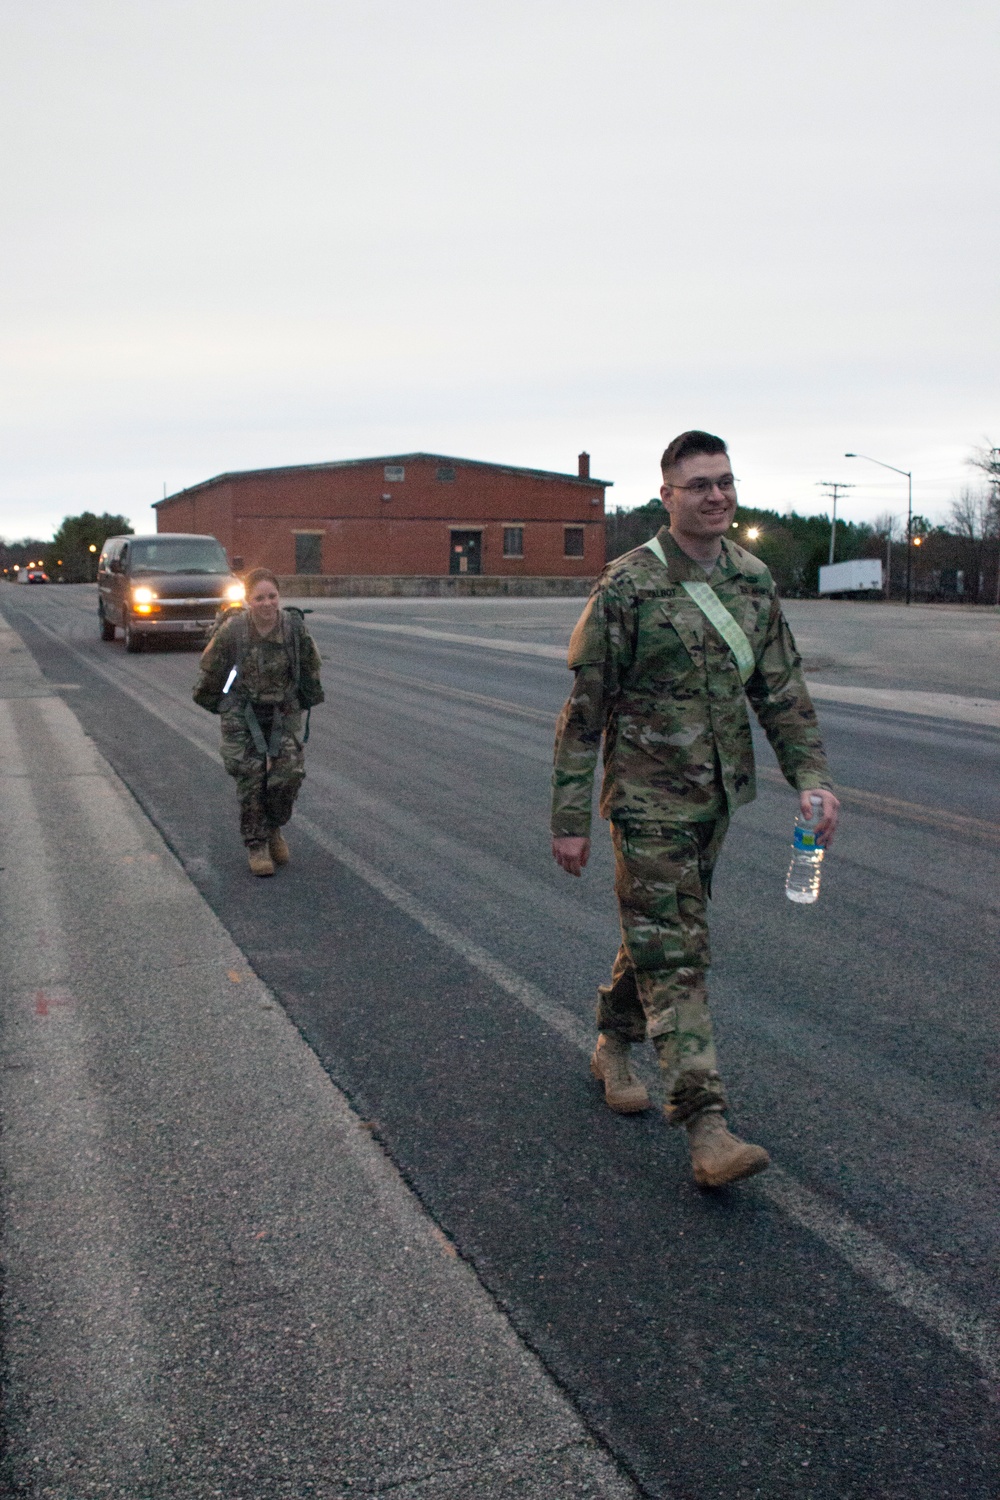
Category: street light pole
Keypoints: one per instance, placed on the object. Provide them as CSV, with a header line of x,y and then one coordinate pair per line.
x,y
908,476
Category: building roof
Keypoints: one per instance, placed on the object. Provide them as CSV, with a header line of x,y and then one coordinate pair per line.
x,y
391,458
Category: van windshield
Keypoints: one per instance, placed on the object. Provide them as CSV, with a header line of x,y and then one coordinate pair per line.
x,y
178,554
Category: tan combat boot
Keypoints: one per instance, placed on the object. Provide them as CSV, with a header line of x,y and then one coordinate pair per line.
x,y
622,1090
718,1156
278,848
260,859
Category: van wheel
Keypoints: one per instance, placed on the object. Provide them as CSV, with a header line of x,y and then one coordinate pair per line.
x,y
133,640
107,628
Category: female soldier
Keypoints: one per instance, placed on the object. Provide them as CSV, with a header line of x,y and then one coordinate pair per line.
x,y
259,671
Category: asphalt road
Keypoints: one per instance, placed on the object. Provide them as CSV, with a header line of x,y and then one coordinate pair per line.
x,y
829,1330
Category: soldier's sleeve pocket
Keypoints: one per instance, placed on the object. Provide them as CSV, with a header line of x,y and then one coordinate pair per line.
x,y
588,645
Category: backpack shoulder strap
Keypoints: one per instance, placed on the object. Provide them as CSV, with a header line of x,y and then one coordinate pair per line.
x,y
241,639
237,647
291,627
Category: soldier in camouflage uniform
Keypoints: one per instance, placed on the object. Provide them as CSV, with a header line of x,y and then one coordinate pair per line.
x,y
276,676
660,684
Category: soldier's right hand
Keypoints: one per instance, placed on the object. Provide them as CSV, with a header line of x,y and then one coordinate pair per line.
x,y
571,853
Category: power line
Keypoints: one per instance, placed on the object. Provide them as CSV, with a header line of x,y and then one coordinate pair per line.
x,y
833,488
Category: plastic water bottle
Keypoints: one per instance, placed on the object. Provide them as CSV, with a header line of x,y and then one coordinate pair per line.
x,y
802,880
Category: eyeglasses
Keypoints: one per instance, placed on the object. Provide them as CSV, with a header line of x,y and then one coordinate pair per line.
x,y
725,486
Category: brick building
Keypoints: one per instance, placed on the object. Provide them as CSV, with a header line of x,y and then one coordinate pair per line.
x,y
411,514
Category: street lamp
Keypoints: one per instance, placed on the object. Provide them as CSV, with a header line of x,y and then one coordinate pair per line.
x,y
908,476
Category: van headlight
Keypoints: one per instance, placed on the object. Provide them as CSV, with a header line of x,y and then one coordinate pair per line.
x,y
143,596
235,593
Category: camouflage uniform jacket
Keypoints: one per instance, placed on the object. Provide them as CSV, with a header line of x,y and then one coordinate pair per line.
x,y
660,684
267,672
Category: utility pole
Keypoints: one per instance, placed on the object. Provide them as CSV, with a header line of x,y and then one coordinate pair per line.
x,y
995,481
833,488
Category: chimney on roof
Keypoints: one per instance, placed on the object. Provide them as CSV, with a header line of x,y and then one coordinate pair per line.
x,y
583,466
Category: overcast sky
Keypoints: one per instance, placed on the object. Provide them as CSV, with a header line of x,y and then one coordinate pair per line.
x,y
287,231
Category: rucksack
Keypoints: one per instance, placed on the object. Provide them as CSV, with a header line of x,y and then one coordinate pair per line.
x,y
292,626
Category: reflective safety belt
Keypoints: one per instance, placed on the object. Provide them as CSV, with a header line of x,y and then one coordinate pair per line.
x,y
717,615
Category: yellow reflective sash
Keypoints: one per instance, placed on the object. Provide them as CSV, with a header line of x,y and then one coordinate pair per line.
x,y
717,615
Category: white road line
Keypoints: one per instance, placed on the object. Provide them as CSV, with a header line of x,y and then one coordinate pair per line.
x,y
954,706
951,706
904,1283
864,1252
522,648
913,812
551,1012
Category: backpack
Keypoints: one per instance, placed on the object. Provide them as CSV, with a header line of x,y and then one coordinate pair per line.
x,y
292,627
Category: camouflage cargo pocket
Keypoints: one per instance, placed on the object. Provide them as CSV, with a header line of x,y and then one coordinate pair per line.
x,y
236,743
661,897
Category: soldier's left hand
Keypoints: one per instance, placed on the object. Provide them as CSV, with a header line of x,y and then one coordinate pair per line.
x,y
827,825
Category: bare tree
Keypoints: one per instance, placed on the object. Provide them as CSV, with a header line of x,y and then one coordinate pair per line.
x,y
987,461
887,525
972,513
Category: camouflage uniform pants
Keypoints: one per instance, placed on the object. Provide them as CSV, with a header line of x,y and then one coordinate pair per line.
x,y
266,796
663,878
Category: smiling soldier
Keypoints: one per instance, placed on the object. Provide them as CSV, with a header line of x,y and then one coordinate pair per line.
x,y
260,671
675,638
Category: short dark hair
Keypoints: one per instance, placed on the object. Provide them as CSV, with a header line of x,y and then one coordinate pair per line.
x,y
687,444
258,575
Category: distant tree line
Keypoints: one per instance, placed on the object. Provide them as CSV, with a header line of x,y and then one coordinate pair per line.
x,y
956,561
793,547
71,556
20,554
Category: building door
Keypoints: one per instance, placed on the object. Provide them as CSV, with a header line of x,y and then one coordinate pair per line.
x,y
308,552
466,552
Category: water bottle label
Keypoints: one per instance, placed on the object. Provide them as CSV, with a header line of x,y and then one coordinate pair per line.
x,y
805,838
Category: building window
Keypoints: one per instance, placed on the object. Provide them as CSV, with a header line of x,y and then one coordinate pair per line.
x,y
308,552
394,473
573,541
513,541
446,473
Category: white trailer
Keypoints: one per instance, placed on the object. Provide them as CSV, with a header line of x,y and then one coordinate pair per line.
x,y
863,575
